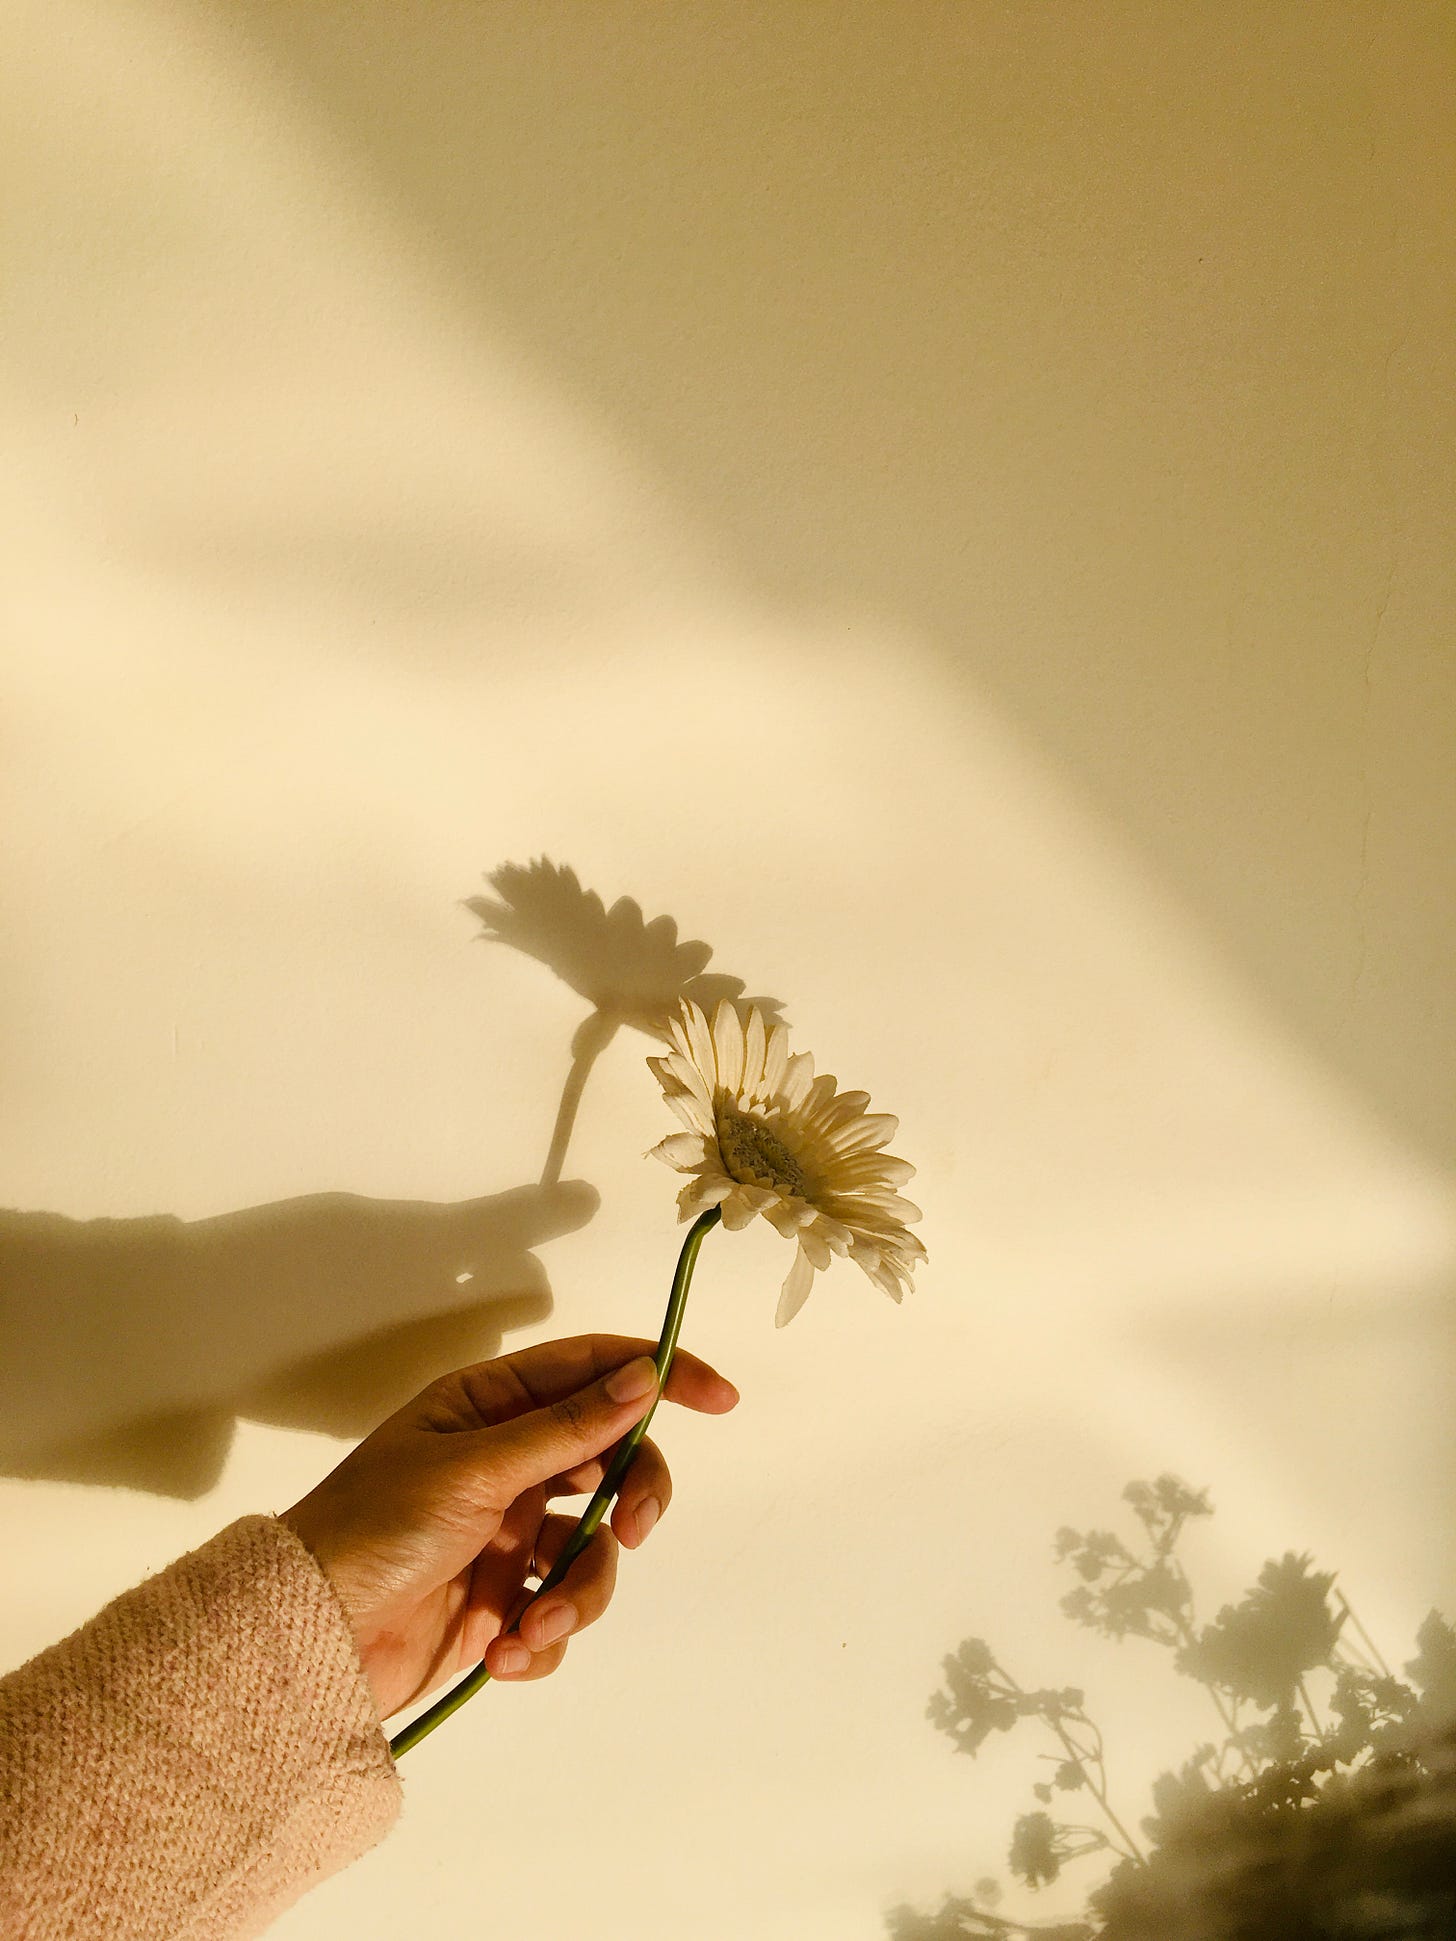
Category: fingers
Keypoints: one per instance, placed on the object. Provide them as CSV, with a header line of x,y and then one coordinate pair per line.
x,y
507,1659
645,1493
553,1620
532,1378
584,1477
528,1450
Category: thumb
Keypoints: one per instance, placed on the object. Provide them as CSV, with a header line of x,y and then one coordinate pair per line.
x,y
531,1449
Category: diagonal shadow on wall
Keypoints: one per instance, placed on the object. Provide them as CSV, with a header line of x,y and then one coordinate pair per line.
x,y
913,324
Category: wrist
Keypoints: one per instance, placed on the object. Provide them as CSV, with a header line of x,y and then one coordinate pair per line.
x,y
367,1648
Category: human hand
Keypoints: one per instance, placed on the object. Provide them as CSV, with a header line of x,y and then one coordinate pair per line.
x,y
430,1528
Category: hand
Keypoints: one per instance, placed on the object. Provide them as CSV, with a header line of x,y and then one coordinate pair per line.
x,y
430,1528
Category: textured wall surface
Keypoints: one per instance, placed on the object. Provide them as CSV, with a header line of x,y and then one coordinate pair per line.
x,y
951,504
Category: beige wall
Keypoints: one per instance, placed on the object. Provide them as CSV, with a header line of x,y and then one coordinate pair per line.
x,y
951,502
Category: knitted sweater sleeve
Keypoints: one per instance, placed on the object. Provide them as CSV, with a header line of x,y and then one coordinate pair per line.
x,y
195,1758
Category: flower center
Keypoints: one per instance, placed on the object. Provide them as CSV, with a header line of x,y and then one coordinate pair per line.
x,y
756,1156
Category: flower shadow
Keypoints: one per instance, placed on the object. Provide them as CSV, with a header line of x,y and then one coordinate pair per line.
x,y
631,971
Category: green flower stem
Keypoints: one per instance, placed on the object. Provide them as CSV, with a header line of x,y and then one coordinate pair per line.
x,y
592,1515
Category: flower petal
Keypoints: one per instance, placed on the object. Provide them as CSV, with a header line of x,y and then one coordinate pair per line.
x,y
700,1039
885,1277
690,1110
802,1211
681,1149
866,1218
798,1077
813,1243
814,1110
688,1076
839,1109
864,1253
699,1194
795,1289
854,1171
863,1134
885,1205
743,1203
754,1040
728,1045
775,1058
834,1232
784,1218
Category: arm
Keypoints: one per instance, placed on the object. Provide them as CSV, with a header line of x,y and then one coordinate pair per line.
x,y
193,1759
210,1746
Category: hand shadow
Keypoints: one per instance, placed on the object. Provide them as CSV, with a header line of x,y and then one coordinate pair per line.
x,y
131,1346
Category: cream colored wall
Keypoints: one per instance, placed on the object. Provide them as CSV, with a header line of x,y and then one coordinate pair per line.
x,y
951,503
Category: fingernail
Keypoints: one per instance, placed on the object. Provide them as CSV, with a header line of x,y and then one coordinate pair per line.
x,y
558,1620
629,1384
648,1511
512,1657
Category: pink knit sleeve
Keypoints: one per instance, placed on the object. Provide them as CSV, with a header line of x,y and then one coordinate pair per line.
x,y
191,1761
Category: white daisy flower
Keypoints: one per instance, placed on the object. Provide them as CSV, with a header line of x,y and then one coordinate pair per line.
x,y
764,1135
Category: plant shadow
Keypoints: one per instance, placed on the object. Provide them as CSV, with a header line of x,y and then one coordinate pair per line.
x,y
1320,1804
